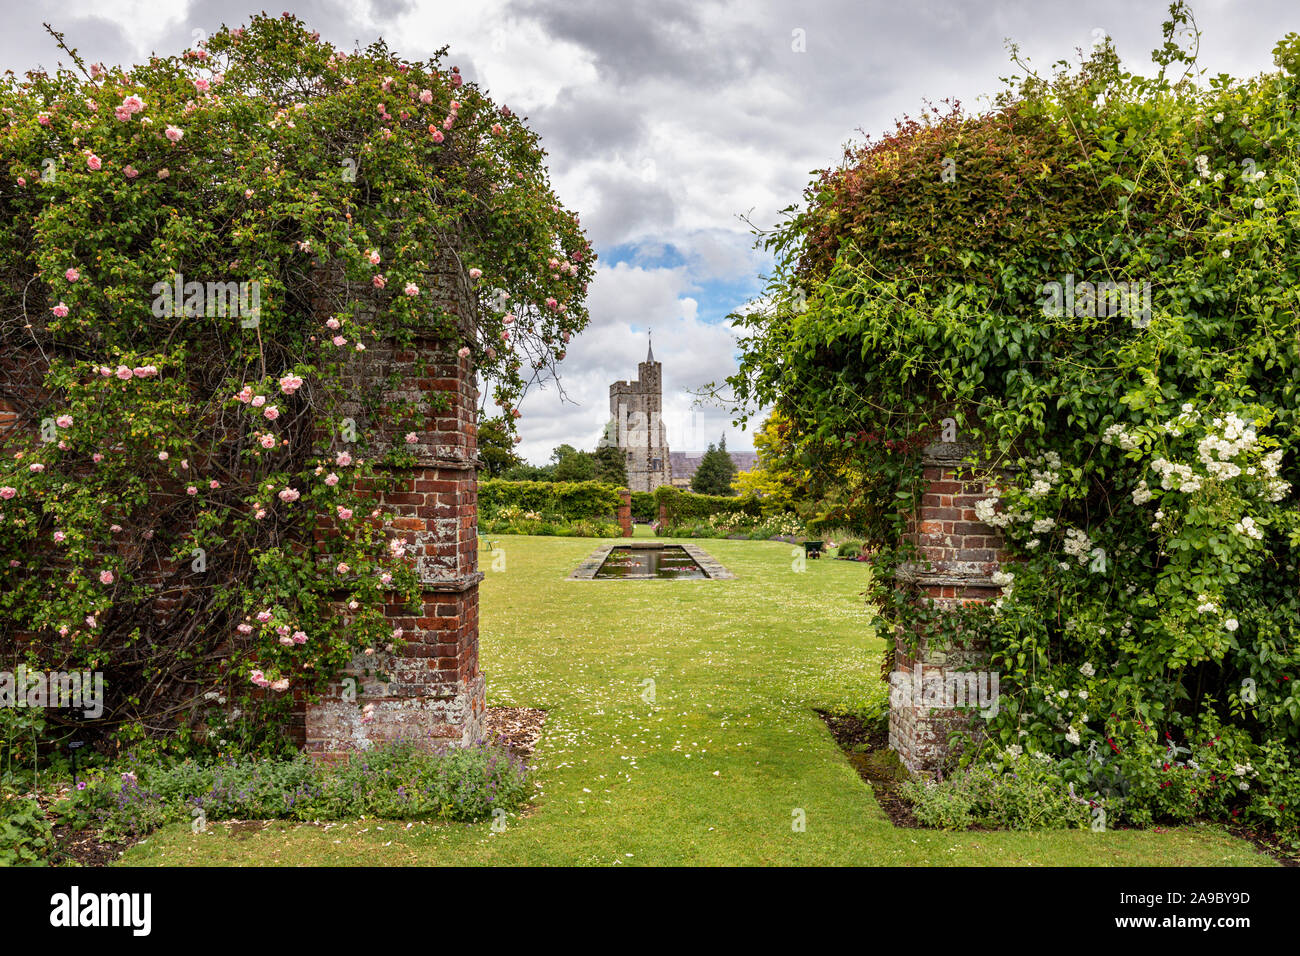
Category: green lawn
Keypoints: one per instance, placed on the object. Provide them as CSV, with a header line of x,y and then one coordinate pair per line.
x,y
713,771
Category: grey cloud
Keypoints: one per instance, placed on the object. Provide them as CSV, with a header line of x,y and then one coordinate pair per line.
x,y
583,122
623,205
634,42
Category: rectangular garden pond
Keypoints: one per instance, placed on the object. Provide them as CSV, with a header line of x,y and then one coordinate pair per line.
x,y
647,561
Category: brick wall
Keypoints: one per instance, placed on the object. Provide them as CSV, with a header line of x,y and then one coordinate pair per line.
x,y
434,692
958,556
625,512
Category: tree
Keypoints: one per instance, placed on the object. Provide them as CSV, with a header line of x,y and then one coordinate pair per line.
x,y
716,471
774,476
496,450
573,465
527,472
611,465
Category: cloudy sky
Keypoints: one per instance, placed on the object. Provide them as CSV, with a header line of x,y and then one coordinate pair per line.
x,y
666,121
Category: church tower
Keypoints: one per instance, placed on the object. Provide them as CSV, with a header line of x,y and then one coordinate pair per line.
x,y
636,414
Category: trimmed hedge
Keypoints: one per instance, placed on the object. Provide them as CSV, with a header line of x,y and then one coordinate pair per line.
x,y
684,507
571,500
644,506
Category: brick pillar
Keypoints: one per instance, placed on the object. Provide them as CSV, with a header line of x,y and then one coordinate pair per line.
x,y
435,692
959,555
625,512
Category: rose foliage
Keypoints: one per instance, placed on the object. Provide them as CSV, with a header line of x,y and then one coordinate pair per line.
x,y
188,447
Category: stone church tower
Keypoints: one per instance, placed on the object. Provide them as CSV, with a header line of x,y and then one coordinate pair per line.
x,y
636,426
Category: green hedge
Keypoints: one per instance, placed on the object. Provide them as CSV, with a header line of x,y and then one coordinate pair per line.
x,y
644,506
567,499
685,507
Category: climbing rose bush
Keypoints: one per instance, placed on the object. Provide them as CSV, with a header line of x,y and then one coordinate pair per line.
x,y
180,443
1093,282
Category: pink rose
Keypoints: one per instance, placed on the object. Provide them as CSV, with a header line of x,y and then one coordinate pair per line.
x,y
271,412
259,401
191,491
331,479
379,282
289,494
163,456
123,373
343,459
339,340
264,616
131,172
342,568
64,421
345,514
97,458
105,577
72,275
174,134
267,441
475,273
437,134
133,104
411,289
58,537
94,162
411,438
8,492
245,394
463,351
299,637
37,468
60,310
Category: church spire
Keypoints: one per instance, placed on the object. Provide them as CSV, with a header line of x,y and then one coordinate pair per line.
x,y
650,351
